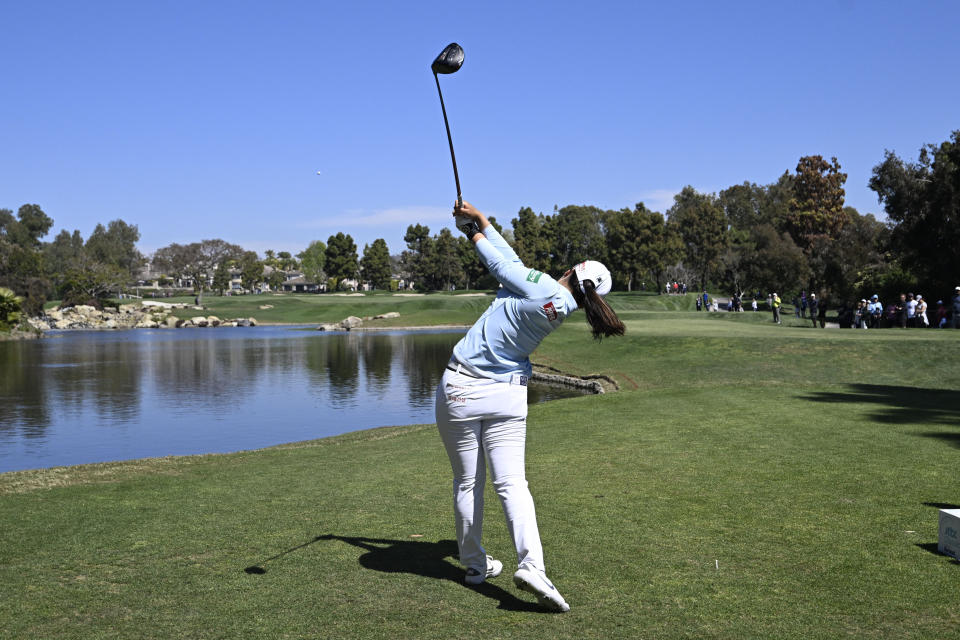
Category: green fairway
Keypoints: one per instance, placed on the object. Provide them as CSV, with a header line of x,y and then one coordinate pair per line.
x,y
414,309
748,480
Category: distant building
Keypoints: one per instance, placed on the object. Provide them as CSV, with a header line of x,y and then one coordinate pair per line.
x,y
300,284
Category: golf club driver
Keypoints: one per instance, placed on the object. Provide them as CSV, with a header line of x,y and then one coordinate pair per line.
x,y
449,61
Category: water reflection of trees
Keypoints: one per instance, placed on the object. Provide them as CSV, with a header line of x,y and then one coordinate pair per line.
x,y
424,358
377,354
86,381
110,376
22,407
198,370
89,374
334,358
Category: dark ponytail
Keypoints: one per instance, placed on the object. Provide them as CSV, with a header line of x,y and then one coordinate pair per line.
x,y
601,318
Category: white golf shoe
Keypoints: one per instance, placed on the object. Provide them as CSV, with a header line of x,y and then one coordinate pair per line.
x,y
537,583
494,567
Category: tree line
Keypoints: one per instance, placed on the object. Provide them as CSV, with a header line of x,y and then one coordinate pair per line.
x,y
791,235
795,233
68,267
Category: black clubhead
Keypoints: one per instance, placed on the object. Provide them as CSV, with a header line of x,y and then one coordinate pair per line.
x,y
450,59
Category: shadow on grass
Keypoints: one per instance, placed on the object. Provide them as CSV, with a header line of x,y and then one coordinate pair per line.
x,y
422,558
903,405
933,547
941,505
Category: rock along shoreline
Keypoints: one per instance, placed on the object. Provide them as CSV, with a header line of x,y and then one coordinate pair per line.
x,y
145,315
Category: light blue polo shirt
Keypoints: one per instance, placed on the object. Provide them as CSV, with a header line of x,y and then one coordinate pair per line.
x,y
530,305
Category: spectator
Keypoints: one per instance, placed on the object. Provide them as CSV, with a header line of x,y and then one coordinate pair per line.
x,y
822,312
796,306
863,315
901,312
775,303
876,310
922,319
911,311
699,304
941,315
955,317
803,304
813,309
706,298
753,305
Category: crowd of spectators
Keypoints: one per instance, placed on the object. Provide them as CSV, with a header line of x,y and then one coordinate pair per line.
x,y
909,311
677,288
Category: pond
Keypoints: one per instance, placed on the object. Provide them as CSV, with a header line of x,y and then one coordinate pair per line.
x,y
81,397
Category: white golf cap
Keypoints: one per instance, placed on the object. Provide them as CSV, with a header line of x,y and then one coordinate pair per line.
x,y
595,271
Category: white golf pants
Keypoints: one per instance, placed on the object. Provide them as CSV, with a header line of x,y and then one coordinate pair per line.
x,y
482,420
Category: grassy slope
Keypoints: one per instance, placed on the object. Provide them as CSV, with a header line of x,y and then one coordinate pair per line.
x,y
805,464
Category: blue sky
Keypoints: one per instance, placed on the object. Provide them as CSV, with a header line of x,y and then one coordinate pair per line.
x,y
199,120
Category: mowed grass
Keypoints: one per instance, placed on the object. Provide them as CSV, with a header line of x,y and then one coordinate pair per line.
x,y
415,310
748,481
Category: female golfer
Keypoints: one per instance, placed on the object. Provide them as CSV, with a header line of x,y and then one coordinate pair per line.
x,y
482,398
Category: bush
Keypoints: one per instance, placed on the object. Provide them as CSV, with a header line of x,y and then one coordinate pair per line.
x,y
10,307
38,290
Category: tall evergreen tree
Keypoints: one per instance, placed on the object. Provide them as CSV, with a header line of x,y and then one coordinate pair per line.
x,y
446,269
221,278
251,270
376,264
418,257
700,221
639,241
342,261
533,241
816,209
578,236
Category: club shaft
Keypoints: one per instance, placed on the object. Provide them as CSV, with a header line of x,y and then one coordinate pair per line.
x,y
453,157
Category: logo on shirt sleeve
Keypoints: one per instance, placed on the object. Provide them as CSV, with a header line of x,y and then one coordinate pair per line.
x,y
550,311
534,276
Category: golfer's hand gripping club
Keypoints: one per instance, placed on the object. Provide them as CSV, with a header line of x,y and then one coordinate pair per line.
x,y
470,221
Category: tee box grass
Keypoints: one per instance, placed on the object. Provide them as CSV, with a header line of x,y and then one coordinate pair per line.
x,y
747,480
